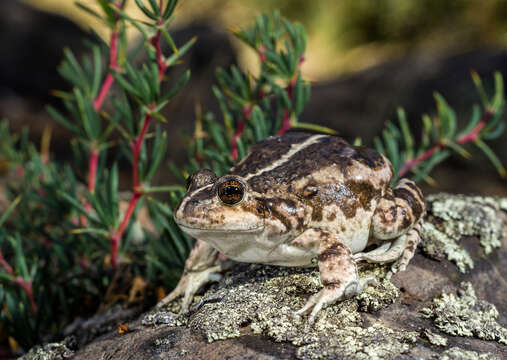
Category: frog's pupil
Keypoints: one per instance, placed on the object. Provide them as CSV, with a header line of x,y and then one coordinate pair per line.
x,y
231,192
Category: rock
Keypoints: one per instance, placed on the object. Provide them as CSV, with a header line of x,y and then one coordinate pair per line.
x,y
432,310
51,351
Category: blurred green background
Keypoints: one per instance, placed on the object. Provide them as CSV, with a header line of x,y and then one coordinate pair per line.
x,y
348,35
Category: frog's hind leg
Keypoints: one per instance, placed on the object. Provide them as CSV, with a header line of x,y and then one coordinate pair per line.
x,y
413,238
338,271
397,218
402,249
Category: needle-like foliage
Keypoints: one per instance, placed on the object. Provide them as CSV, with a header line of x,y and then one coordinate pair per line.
x,y
69,239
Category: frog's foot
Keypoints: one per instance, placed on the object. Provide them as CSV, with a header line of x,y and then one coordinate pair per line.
x,y
189,284
412,240
338,271
332,293
372,255
203,265
392,252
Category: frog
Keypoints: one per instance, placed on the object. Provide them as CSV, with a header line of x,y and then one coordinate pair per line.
x,y
300,200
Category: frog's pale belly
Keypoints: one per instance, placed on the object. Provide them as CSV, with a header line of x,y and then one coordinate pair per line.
x,y
257,249
249,251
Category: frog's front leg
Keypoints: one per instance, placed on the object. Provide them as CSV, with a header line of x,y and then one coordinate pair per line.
x,y
203,266
338,271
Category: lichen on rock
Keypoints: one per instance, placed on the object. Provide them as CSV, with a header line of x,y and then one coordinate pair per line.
x,y
437,243
51,351
456,353
374,342
465,315
455,216
383,294
434,339
262,299
163,318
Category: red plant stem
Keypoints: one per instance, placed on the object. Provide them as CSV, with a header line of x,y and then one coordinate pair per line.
x,y
92,170
136,194
97,105
113,65
468,137
25,285
286,125
472,135
235,138
116,237
162,66
136,149
5,265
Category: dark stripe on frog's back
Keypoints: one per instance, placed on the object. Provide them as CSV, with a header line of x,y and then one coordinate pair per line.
x,y
266,152
327,151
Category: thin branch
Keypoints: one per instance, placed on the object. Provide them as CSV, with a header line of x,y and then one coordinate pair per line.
x,y
155,41
468,137
136,150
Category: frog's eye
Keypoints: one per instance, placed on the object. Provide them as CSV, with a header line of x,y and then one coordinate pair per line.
x,y
231,192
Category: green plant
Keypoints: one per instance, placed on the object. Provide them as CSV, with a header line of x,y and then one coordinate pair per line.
x,y
440,136
60,229
64,241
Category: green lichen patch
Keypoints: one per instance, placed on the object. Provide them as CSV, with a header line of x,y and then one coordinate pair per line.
x,y
262,300
374,342
455,216
164,318
456,353
434,339
51,351
437,243
382,294
377,297
464,315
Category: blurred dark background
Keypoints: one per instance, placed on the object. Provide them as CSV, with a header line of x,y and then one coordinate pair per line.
x,y
365,58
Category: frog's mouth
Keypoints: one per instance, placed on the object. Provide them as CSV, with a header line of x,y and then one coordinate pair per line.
x,y
192,229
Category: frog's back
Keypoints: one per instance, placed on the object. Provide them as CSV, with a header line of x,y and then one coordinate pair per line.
x,y
295,160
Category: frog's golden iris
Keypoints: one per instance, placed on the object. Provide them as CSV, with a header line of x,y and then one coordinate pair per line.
x,y
231,192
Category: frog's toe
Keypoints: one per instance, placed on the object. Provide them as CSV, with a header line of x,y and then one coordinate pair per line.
x,y
328,296
189,284
198,280
178,291
371,256
316,303
364,282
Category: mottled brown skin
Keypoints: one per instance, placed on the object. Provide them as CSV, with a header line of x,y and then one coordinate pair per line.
x,y
304,197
